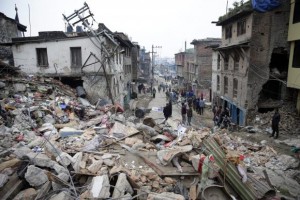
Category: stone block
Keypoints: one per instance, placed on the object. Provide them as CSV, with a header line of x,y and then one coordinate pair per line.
x,y
122,186
28,194
100,187
35,176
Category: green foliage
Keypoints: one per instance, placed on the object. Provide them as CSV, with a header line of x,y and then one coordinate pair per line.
x,y
237,7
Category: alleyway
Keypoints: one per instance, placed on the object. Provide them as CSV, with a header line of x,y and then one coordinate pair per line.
x,y
160,101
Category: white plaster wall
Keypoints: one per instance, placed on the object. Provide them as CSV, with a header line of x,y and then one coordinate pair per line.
x,y
59,57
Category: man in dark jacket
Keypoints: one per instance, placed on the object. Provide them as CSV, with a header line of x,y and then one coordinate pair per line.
x,y
275,124
183,113
166,112
189,114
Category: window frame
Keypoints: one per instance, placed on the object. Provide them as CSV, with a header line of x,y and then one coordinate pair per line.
x,y
42,57
235,88
225,85
296,17
228,31
218,83
226,62
241,27
236,65
296,54
76,62
219,62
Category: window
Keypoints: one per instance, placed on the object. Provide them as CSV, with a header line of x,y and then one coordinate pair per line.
x,y
42,58
235,88
226,62
218,82
76,57
296,56
219,61
236,62
225,85
228,31
241,27
296,18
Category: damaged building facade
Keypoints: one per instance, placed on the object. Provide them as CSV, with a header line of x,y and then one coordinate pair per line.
x,y
203,64
253,59
185,69
9,28
77,59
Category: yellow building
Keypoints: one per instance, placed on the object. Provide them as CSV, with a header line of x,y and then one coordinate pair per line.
x,y
294,39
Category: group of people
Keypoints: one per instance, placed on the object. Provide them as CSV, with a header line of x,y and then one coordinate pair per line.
x,y
220,114
186,113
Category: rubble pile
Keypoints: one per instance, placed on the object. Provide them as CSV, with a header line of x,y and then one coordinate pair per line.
x,y
56,145
289,121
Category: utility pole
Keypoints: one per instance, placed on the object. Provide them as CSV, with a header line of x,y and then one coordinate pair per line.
x,y
153,64
107,55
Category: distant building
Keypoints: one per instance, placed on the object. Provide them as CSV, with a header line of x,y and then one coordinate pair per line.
x,y
253,59
9,28
186,70
294,59
203,65
145,66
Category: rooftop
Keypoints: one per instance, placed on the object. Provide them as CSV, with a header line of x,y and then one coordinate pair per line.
x,y
236,13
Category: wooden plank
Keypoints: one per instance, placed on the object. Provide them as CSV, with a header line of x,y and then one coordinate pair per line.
x,y
193,192
12,187
10,163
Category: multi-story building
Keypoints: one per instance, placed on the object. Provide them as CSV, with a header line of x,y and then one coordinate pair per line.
x,y
186,70
179,61
203,65
252,59
145,65
294,59
126,46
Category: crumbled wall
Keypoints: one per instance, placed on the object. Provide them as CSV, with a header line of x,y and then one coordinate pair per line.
x,y
270,31
8,29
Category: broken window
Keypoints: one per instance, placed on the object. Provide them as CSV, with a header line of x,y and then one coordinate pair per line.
x,y
76,60
226,62
219,61
218,82
235,88
225,85
42,57
241,27
236,62
228,31
296,56
296,18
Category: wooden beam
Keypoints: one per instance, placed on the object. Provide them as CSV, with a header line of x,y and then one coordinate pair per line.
x,y
12,187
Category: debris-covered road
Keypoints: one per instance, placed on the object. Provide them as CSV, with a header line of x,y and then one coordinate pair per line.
x,y
56,145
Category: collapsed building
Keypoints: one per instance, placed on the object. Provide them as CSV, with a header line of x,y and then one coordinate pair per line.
x,y
9,28
253,59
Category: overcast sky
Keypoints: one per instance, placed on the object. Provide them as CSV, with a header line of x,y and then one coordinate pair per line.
x,y
166,23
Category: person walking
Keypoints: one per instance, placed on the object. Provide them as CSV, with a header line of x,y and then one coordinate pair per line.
x,y
201,105
275,124
170,108
217,115
189,114
183,113
153,92
166,112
